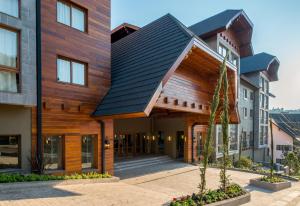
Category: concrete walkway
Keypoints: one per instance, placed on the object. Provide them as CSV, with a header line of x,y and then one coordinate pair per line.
x,y
152,189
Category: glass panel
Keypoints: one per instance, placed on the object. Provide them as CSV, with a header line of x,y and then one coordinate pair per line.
x,y
233,137
63,71
10,7
9,152
220,138
87,151
78,19
53,153
63,13
8,82
78,73
8,48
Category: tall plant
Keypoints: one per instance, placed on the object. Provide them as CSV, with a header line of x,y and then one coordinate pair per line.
x,y
207,146
225,122
272,149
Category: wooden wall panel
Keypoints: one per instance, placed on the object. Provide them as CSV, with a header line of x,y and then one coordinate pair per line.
x,y
67,108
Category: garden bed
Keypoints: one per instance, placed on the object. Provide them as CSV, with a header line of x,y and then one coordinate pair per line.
x,y
274,184
234,196
14,181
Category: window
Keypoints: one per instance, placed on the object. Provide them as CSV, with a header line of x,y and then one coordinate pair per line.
x,y
266,117
280,161
71,15
9,67
251,96
284,148
261,135
233,137
10,7
251,139
262,116
266,102
53,152
266,134
251,113
244,140
234,59
222,50
245,112
88,143
72,72
262,100
245,93
9,152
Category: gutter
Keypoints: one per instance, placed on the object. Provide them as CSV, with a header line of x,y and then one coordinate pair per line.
x,y
39,148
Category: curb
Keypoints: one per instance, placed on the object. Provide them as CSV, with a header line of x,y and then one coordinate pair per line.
x,y
52,183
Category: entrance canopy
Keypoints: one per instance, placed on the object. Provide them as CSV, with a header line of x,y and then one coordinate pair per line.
x,y
163,66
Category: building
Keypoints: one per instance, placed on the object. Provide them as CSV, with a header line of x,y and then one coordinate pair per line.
x,y
231,31
259,70
17,82
286,133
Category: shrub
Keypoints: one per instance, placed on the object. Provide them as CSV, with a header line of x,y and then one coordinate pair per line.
x,y
244,163
292,161
10,178
273,179
210,196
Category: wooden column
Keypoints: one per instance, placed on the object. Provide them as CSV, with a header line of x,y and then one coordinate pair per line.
x,y
109,152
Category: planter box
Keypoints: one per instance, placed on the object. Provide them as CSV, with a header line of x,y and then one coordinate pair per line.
x,y
270,186
233,201
52,183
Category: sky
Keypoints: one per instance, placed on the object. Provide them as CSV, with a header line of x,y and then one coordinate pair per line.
x,y
276,31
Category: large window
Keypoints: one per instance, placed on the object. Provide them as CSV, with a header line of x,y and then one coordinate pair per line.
x,y
71,15
9,68
72,72
233,138
88,143
9,152
10,7
53,153
222,50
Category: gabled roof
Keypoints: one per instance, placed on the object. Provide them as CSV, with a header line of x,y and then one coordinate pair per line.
x,y
261,62
288,122
139,63
215,23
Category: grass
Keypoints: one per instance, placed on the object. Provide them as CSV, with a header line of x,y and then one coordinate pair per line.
x,y
11,178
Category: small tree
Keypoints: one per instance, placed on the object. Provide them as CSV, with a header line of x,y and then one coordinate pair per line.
x,y
291,160
207,146
272,150
225,122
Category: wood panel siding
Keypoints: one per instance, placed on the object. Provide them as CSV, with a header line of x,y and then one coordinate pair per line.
x,y
67,108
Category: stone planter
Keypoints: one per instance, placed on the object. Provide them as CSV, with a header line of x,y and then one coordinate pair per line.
x,y
270,186
233,201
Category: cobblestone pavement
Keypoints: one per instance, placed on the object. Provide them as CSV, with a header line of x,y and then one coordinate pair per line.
x,y
151,189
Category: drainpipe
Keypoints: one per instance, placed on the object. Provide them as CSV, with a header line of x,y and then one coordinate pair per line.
x,y
39,148
253,126
102,126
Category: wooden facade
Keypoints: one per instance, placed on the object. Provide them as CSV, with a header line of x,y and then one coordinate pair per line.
x,y
67,108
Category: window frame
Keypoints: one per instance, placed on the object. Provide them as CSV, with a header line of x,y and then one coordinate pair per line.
x,y
79,7
19,11
245,93
245,112
62,152
17,69
71,71
19,150
95,146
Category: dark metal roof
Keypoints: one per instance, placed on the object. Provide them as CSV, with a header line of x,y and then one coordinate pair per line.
x,y
215,23
139,63
288,122
261,62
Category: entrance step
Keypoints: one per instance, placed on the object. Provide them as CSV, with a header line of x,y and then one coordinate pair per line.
x,y
141,162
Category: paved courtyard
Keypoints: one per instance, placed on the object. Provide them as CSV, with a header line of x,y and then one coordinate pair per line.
x,y
150,189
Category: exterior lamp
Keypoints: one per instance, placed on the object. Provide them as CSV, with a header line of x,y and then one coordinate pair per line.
x,y
153,138
169,138
106,143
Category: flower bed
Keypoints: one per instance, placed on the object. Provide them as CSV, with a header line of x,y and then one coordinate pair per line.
x,y
271,183
11,178
212,196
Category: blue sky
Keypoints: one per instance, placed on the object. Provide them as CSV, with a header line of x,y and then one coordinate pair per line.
x,y
276,31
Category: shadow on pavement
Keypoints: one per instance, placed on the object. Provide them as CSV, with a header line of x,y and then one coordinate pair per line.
x,y
250,188
35,193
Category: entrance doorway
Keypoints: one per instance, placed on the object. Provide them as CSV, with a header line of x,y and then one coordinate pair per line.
x,y
179,144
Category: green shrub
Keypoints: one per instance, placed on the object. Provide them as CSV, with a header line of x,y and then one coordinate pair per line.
x,y
244,163
273,179
210,196
10,178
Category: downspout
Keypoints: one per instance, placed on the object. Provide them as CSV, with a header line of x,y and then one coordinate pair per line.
x,y
39,148
253,126
102,127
